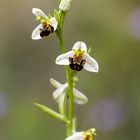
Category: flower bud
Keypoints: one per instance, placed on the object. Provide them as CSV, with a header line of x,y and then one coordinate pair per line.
x,y
65,5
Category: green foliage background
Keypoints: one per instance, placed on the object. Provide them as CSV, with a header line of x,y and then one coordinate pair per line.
x,y
27,65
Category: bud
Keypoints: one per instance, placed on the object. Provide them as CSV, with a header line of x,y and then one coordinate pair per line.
x,y
65,5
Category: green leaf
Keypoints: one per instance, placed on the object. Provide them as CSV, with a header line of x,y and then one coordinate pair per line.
x,y
56,15
51,112
62,17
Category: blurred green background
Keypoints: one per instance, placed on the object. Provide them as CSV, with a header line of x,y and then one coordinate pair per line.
x,y
112,28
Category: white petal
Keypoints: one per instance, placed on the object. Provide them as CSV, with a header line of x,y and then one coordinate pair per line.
x,y
55,83
80,45
79,97
36,32
63,59
37,12
91,64
53,23
76,136
59,91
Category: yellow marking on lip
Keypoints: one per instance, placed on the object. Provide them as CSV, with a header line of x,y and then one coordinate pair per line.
x,y
43,21
87,135
78,53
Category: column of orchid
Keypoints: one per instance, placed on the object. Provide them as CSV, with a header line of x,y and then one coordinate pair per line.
x,y
74,61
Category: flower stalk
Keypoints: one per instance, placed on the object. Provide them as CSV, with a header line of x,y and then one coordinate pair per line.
x,y
71,100
69,78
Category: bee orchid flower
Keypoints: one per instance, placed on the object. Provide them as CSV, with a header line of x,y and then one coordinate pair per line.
x,y
83,135
78,58
79,97
46,27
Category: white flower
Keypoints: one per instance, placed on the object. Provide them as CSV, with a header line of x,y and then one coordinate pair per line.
x,y
79,97
46,27
76,136
78,58
65,5
83,135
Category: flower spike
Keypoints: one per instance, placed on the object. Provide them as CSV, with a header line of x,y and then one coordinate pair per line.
x,y
78,58
46,27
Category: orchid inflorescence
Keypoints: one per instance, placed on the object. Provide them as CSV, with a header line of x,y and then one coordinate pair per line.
x,y
75,60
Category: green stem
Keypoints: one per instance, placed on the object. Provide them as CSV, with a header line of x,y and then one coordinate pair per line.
x,y
61,42
69,77
70,103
